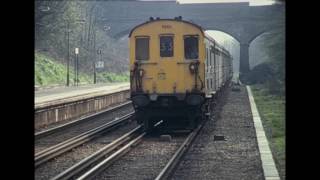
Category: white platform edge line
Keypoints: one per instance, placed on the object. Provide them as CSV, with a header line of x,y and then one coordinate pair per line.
x,y
269,169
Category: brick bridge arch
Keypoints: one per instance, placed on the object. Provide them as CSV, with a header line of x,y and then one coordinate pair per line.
x,y
241,21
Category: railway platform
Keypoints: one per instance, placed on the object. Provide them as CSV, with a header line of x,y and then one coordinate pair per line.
x,y
231,145
68,103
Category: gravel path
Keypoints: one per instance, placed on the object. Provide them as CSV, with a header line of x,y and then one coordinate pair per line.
x,y
145,161
237,157
61,163
45,142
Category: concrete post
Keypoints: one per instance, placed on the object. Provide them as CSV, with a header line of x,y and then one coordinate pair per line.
x,y
244,58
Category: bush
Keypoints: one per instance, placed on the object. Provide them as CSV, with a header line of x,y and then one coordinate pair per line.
x,y
112,77
259,74
265,74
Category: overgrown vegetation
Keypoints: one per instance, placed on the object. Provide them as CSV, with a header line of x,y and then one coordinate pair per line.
x,y
85,24
49,71
112,77
272,111
272,72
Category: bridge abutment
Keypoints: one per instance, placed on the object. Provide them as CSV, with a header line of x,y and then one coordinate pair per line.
x,y
244,58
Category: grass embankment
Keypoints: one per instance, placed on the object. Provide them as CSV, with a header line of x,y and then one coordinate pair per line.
x,y
48,72
272,111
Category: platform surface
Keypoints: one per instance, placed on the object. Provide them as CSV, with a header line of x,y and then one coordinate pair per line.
x,y
72,93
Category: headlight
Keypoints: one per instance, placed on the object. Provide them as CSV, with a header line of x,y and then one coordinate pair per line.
x,y
141,72
193,67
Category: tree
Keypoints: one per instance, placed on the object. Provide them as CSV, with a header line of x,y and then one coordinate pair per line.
x,y
275,49
51,28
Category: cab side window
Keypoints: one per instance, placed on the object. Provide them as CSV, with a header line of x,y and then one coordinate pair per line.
x,y
142,48
166,46
191,50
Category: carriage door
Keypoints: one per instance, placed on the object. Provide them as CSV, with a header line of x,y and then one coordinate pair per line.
x,y
191,54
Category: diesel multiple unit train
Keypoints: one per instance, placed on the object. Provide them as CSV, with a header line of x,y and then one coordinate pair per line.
x,y
176,69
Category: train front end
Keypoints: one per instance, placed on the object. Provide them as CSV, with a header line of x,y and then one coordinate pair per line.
x,y
167,73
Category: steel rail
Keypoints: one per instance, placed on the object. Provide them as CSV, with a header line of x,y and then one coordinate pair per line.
x,y
67,145
109,160
111,123
173,162
47,132
77,168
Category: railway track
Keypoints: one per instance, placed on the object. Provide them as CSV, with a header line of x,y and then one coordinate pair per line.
x,y
94,164
167,171
62,133
123,144
60,148
44,133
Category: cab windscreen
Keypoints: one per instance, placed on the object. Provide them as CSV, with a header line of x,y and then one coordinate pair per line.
x,y
166,46
191,50
142,48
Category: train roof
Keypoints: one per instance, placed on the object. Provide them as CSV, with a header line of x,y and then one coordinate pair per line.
x,y
216,43
177,19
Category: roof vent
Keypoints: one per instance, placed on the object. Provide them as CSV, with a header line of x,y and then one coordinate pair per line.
x,y
151,18
179,18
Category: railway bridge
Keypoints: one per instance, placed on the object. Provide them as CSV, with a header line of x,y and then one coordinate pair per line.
x,y
239,20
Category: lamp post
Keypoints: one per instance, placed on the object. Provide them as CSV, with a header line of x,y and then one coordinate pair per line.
x,y
76,67
94,61
94,73
68,58
95,64
99,51
81,21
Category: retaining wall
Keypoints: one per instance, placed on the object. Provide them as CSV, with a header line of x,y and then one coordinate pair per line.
x,y
63,110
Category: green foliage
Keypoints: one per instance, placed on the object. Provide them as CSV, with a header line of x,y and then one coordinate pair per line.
x,y
259,74
112,77
272,72
275,48
272,111
48,71
86,32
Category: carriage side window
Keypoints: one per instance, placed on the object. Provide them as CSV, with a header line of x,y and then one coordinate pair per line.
x,y
207,58
166,46
142,48
210,62
191,50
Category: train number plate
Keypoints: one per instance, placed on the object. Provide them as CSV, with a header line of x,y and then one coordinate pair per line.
x,y
161,76
165,26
